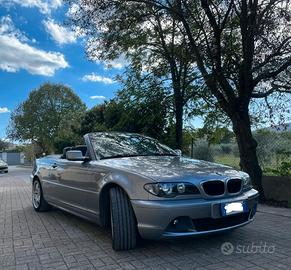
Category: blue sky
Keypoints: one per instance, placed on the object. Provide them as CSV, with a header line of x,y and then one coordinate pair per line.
x,y
35,48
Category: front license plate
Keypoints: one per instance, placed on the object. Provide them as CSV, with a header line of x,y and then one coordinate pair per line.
x,y
233,208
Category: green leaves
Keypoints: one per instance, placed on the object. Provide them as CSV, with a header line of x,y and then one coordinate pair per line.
x,y
140,107
49,115
3,145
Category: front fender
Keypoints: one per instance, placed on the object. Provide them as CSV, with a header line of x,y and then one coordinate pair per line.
x,y
132,184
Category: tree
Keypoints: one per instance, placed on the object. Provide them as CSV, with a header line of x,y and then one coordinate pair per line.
x,y
93,120
146,104
243,52
3,145
146,116
240,48
152,41
215,135
47,117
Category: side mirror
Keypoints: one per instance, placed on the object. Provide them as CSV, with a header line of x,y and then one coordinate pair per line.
x,y
178,152
75,155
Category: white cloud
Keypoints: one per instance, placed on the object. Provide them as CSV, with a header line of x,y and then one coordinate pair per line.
x,y
73,10
4,110
16,53
97,97
44,6
97,78
7,28
113,64
60,34
118,63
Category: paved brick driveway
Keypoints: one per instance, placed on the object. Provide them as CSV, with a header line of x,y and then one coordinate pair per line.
x,y
57,240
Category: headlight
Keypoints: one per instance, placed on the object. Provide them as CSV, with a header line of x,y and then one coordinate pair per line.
x,y
170,190
247,183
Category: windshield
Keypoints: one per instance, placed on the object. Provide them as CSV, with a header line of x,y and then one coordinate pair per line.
x,y
109,145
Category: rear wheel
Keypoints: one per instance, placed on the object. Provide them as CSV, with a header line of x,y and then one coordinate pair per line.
x,y
38,202
123,223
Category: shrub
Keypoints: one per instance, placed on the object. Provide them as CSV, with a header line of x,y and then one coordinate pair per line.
x,y
284,169
273,147
226,148
235,150
203,151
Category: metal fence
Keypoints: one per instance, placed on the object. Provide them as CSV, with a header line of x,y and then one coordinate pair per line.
x,y
274,151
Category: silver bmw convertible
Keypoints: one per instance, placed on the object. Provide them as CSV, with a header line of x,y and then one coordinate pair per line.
x,y
139,187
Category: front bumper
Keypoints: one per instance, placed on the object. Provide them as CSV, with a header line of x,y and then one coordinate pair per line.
x,y
159,219
4,169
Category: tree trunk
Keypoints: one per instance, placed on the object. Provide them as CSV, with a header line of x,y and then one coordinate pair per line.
x,y
247,148
179,124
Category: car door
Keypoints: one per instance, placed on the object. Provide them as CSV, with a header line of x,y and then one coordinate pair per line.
x,y
50,179
78,186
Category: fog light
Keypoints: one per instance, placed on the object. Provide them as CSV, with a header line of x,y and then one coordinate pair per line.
x,y
181,224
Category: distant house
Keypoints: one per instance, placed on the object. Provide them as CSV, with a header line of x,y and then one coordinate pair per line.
x,y
12,158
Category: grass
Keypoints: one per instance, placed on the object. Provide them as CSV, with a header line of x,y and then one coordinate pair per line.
x,y
233,161
229,160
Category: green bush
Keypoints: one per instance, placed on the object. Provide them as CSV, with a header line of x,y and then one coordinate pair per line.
x,y
273,153
272,148
203,151
226,148
284,169
235,150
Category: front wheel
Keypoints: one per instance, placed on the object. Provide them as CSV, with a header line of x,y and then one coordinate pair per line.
x,y
123,223
38,202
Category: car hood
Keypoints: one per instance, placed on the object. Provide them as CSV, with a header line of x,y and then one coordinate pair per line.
x,y
171,168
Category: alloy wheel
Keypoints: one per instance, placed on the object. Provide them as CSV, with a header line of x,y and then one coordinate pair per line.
x,y
36,194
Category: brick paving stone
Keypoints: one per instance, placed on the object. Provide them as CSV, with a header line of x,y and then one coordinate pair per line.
x,y
56,240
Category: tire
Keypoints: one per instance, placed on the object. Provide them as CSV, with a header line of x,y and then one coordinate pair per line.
x,y
123,222
38,202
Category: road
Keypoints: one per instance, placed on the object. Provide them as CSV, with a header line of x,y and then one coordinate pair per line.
x,y
58,240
